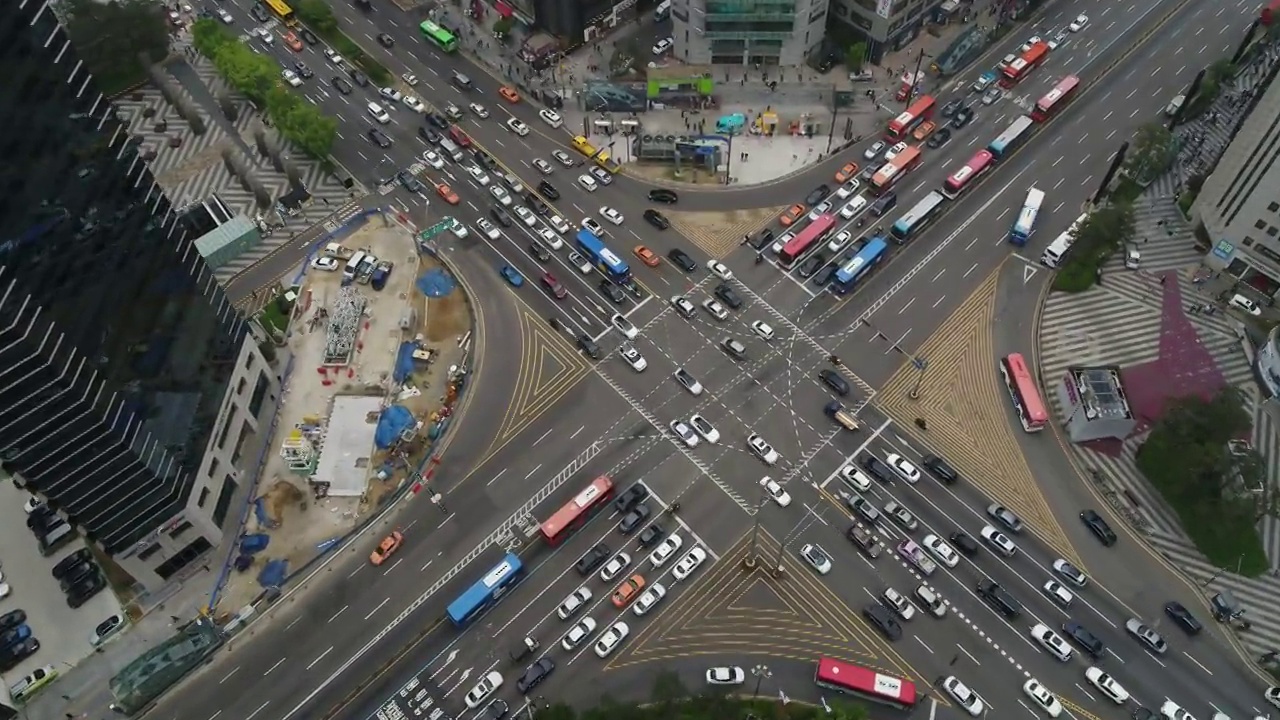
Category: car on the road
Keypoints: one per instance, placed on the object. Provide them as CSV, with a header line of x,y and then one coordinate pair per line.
x,y
500,194
478,174
631,497
1041,698
509,94
264,35
1005,517
900,515
1107,685
577,600
817,195
562,157
611,214
878,469
610,639
447,194
481,111
904,468
998,541
225,16
730,675
817,558
855,478
483,689
841,240
820,209
582,264
882,619
898,603
388,547
963,117
649,599
865,508
490,230
715,309
1070,573
949,109
939,138
990,96
542,166
601,175
647,256
512,276
636,517
1052,642
379,138
340,84
439,121
551,118
940,469
548,190
705,429
682,260
762,450
559,224
1099,527
551,239
593,227
554,287
1079,23
762,330
656,219
517,127
664,196
303,71
734,348
775,491
687,381
1179,614
964,696
610,289
875,151
632,357
1055,591
107,629
662,46
526,216
686,434
683,306
811,265
627,591
651,535
594,558
666,550
727,295
689,563
847,172
938,548
1146,635
534,675
291,78
791,215
894,151
578,633
433,160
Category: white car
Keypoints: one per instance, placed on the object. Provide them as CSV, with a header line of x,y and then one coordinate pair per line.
x,y
848,189
726,676
892,152
1107,685
458,229
225,16
762,449
601,175
265,35
5,590
1078,24
1245,304
939,548
666,550
543,166
292,78
1272,695
909,472
1042,698
967,698
762,330
689,563
583,265
616,565
684,432
817,558
332,56
1052,642
705,429
840,241
855,478
781,242
683,306
490,230
588,183
593,227
379,113
550,239
517,127
478,174
853,207
326,263
633,357
577,634
1070,573
874,151
1055,592
1030,41
413,103
648,599
896,602
501,195
551,118
687,381
484,689
559,224
1171,710
775,491
526,216
663,45
611,215
715,309
999,541
433,160
718,269
391,94
481,111
820,209
410,79
610,639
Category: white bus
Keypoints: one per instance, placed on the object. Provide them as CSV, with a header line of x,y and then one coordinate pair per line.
x,y
1057,249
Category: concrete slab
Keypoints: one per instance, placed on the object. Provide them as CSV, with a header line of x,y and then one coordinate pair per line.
x,y
344,459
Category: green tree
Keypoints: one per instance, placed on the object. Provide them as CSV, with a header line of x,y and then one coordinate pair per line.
x,y
118,40
624,57
503,26
1101,233
317,15
1151,154
855,57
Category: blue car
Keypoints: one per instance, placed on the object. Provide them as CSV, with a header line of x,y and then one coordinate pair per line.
x,y
16,635
512,275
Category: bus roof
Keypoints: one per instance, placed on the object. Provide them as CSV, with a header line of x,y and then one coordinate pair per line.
x,y
584,499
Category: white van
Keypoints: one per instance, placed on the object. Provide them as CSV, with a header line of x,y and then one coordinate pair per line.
x,y
353,266
1057,250
377,112
663,11
450,149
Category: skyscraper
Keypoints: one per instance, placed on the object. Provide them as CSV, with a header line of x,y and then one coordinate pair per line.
x,y
129,385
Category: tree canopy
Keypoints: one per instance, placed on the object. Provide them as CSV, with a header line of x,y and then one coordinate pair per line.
x,y
855,56
1215,483
1151,153
319,17
117,40
1103,231
258,77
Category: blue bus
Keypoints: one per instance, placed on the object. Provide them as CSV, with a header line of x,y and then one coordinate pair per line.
x,y
1010,139
917,217
859,265
604,258
486,591
1026,222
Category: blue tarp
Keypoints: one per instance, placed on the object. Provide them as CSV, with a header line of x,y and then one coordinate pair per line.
x,y
251,544
395,420
273,573
404,362
260,510
436,283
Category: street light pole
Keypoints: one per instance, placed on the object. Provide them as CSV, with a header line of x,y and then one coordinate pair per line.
x,y
761,672
920,364
753,552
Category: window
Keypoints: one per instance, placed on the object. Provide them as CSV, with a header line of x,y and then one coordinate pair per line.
x,y
1273,207
182,527
1247,241
152,549
1261,224
818,14
241,386
1272,231
259,393
204,495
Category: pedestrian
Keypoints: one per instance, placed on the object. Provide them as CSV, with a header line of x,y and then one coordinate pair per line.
x,y
1163,278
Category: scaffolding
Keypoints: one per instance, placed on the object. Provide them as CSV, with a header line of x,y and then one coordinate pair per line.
x,y
345,317
300,453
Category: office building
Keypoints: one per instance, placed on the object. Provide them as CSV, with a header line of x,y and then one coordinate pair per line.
x,y
129,389
884,25
1094,404
1239,203
747,32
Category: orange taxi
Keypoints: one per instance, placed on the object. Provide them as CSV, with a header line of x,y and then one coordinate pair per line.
x,y
447,193
847,172
793,213
291,39
647,256
388,547
509,94
629,590
924,131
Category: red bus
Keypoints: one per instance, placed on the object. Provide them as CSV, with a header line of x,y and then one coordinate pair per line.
x,y
893,171
1015,71
903,125
961,179
1023,391
1056,99
865,684
565,521
811,235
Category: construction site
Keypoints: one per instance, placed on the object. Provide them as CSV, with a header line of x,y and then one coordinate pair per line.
x,y
377,342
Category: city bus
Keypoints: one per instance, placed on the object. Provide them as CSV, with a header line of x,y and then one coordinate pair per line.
x,y
865,684
1023,392
443,39
607,260
894,170
859,265
1014,72
917,217
906,123
1061,245
1022,228
486,591
811,235
1010,139
598,156
283,11
566,521
961,179
1056,98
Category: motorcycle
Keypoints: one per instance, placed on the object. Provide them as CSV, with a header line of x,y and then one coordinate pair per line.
x,y
862,221
759,258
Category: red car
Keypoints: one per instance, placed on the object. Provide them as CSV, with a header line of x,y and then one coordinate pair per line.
x,y
554,287
459,136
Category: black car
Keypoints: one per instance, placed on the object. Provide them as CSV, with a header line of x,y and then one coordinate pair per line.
x,y
69,563
309,37
496,710
865,175
502,216
651,535
440,121
811,265
878,469
80,593
539,252
12,619
950,108
728,296
666,197
42,519
259,12
410,183
13,655
634,519
1179,614
835,381
881,619
386,40
939,138
380,138
940,469
589,346
534,675
1143,714
304,72
826,275
631,497
817,195
962,117
431,136
340,84
1098,527
964,544
763,240
656,219
611,290
681,259
535,204
1081,636
487,162
76,574
548,190
594,558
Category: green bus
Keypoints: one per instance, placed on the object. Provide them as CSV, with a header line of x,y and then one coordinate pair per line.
x,y
439,36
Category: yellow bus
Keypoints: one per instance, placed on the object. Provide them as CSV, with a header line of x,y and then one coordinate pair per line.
x,y
598,156
283,11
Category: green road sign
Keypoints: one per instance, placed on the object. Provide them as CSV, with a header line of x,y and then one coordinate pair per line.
x,y
435,230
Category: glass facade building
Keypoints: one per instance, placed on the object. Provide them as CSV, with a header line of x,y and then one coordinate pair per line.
x,y
128,383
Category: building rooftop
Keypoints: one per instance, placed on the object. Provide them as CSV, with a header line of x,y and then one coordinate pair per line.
x,y
1101,392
